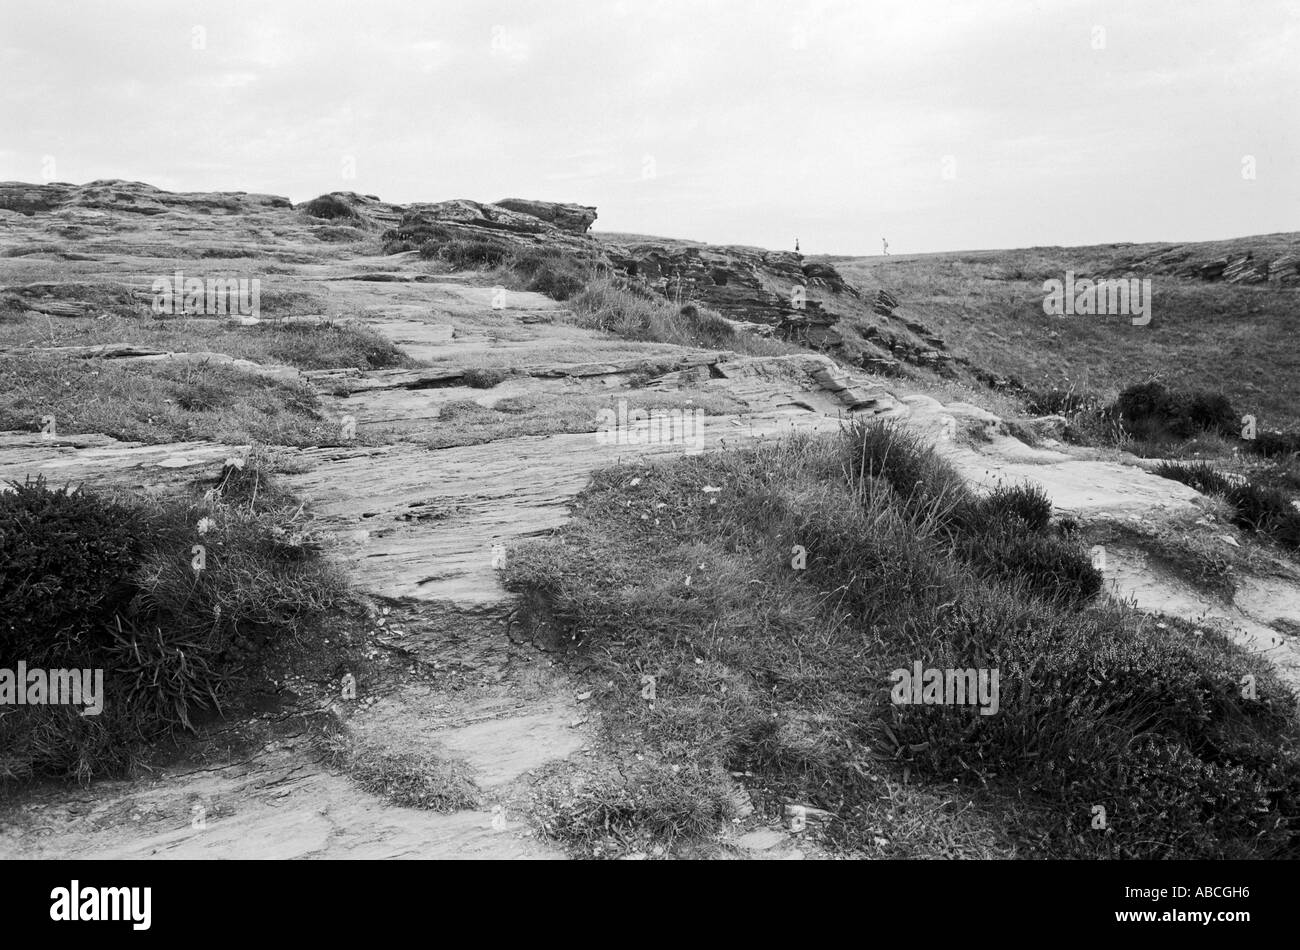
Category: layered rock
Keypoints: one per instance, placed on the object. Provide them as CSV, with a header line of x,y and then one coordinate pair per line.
x,y
1269,261
558,226
1285,269
130,197
745,284
1246,271
567,217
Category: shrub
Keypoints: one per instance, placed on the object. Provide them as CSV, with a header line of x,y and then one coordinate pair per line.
x,y
1143,401
330,207
1050,566
12,308
627,311
1098,705
1256,507
1028,504
1059,402
1276,444
1003,535
397,245
707,326
484,378
91,582
475,253
557,274
1151,411
65,561
1199,475
1206,412
901,457
652,802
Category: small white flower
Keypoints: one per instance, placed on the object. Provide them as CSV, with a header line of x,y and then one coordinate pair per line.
x,y
206,525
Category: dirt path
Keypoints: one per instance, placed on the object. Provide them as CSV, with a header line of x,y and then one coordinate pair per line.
x,y
419,528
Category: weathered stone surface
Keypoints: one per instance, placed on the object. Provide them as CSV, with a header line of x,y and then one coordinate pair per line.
x,y
127,353
1285,269
1246,270
130,197
1274,258
885,366
1048,427
279,802
509,228
749,286
566,217
99,459
886,303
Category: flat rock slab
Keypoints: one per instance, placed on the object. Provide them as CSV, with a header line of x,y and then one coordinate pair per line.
x,y
1130,576
127,353
99,459
1092,489
423,524
278,805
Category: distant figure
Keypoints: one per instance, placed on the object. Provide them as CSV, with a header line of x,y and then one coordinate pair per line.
x,y
796,245
886,246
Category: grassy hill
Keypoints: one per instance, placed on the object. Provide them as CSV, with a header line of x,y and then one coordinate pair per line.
x,y
1239,338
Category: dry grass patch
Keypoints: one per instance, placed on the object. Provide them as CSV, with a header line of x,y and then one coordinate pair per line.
x,y
160,402
771,592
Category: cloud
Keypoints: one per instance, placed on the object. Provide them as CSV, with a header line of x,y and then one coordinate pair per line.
x,y
830,115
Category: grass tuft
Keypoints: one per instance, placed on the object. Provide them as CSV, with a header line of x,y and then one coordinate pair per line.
x,y
408,779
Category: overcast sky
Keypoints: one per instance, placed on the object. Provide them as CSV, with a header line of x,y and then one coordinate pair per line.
x,y
937,125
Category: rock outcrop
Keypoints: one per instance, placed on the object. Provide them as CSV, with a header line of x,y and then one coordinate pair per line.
x,y
561,227
1267,259
567,217
366,208
744,284
130,197
770,293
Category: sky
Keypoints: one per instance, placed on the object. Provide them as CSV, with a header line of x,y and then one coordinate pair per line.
x,y
935,125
